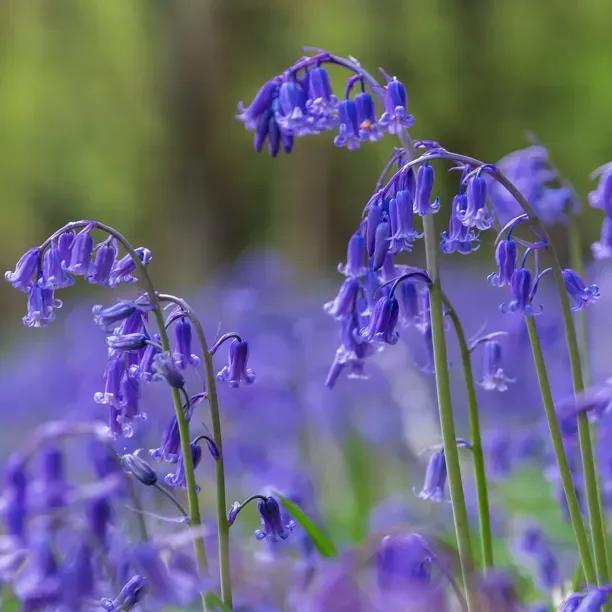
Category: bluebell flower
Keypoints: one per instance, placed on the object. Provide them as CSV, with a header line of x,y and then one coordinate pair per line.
x,y
435,478
601,197
130,595
52,478
344,303
123,269
403,560
408,299
373,219
590,600
81,251
136,466
291,115
165,369
383,321
14,510
580,294
423,190
272,525
170,444
98,513
134,341
108,316
183,355
115,367
100,269
147,359
64,245
396,118
130,398
322,104
26,270
348,129
355,257
381,245
475,213
178,479
493,376
237,369
523,292
405,234
459,238
369,129
260,105
602,249
41,305
54,275
505,256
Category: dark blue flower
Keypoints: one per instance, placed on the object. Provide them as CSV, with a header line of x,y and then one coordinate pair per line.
x,y
403,561
493,376
523,291
369,129
170,444
408,300
100,269
383,321
80,253
424,187
435,478
272,525
136,466
601,197
134,341
99,513
54,275
396,118
344,303
14,510
382,244
580,294
147,359
505,256
322,104
52,478
291,115
41,306
123,269
178,478
26,270
130,399
348,130
183,355
64,245
260,106
108,316
602,249
237,369
355,256
165,369
405,233
459,238
475,213
115,367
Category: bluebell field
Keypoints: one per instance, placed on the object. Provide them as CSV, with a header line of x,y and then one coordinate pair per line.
x,y
426,435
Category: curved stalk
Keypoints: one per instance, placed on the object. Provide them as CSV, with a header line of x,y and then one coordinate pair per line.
x,y
213,400
480,475
447,423
557,440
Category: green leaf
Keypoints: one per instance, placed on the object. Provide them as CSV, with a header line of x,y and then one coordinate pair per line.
x,y
319,538
214,602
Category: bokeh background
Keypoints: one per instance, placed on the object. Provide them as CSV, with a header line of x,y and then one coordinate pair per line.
x,y
125,112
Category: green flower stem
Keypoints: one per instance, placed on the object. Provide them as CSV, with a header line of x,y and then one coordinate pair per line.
x,y
213,401
557,440
447,423
195,519
486,539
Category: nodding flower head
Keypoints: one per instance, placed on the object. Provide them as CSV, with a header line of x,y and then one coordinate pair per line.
x,y
505,256
459,238
580,294
602,249
355,257
127,342
64,244
183,355
344,303
41,306
178,479
26,271
137,467
272,525
80,252
601,197
165,369
383,321
591,600
382,237
99,272
475,213
261,105
523,291
403,561
322,104
291,115
107,317
395,119
408,303
54,275
369,129
348,128
435,478
237,369
493,376
131,594
123,269
424,187
405,234
170,444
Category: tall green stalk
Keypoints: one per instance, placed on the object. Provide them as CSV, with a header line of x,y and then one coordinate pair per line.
x,y
447,423
480,476
557,440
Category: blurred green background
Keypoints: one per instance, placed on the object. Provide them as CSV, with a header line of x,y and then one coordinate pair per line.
x,y
124,111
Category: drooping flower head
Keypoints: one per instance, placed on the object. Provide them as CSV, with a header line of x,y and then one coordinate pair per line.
x,y
493,376
237,370
435,478
580,294
272,525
